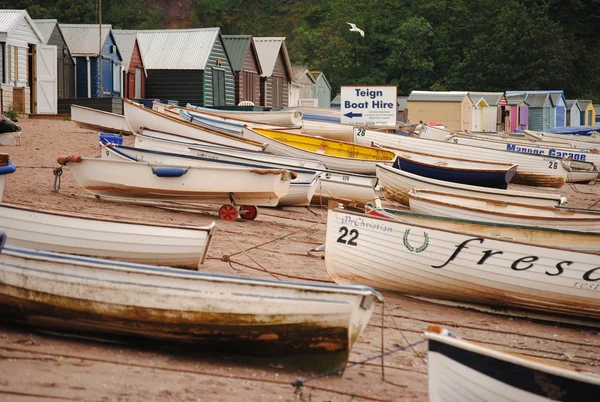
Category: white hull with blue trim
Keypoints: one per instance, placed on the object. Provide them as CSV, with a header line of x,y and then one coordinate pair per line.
x,y
141,181
232,314
442,264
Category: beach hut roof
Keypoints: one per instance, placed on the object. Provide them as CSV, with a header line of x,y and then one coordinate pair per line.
x,y
236,46
268,50
433,96
125,40
83,39
9,21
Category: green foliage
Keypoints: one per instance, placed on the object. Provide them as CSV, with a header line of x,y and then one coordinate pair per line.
x,y
484,45
12,114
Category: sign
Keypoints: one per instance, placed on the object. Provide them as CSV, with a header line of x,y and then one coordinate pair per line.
x,y
369,104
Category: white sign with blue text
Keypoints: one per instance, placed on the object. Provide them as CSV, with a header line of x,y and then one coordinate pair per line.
x,y
369,104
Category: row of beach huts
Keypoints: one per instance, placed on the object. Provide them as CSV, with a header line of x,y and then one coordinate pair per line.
x,y
199,66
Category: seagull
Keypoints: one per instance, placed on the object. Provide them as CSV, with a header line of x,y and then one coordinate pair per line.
x,y
354,28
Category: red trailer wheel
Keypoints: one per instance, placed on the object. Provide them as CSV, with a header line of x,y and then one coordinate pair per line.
x,y
250,212
228,212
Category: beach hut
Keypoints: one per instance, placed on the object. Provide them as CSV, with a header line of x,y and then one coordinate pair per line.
x,y
187,66
588,113
322,89
453,109
490,116
573,109
560,108
479,105
541,115
134,74
244,61
402,110
597,110
27,66
92,79
336,102
302,87
65,65
276,71
516,116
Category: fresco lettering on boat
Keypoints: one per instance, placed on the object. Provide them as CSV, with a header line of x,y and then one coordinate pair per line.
x,y
551,152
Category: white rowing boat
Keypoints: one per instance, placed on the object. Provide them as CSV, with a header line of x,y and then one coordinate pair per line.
x,y
138,117
278,117
485,210
302,187
443,264
397,183
460,370
536,170
136,180
233,314
107,237
100,120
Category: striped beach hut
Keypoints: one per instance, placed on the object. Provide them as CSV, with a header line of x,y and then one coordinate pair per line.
x,y
541,115
453,109
187,66
573,112
276,71
588,113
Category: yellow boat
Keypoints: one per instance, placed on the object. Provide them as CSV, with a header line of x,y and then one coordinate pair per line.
x,y
336,155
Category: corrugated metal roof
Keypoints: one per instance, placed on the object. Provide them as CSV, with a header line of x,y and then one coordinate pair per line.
x,y
492,98
236,46
177,49
300,71
83,39
584,103
536,99
45,27
10,18
433,96
125,41
268,50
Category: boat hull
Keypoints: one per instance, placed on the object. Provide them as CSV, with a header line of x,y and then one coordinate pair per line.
x,y
65,232
397,183
100,120
102,297
434,263
135,180
458,370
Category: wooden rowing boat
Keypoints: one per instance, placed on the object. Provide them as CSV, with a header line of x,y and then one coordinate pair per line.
x,y
136,180
218,312
460,370
485,210
542,236
534,170
301,190
427,261
100,120
107,237
465,171
336,155
138,117
397,183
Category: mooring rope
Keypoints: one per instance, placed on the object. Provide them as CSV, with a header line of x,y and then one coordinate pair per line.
x,y
298,384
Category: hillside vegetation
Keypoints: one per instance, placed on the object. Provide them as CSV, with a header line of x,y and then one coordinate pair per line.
x,y
484,45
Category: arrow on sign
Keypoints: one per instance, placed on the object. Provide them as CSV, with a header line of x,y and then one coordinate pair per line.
x,y
352,114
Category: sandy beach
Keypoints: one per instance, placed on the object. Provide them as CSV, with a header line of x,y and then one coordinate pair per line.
x,y
45,366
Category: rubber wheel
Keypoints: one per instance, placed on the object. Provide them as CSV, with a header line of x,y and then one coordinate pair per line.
x,y
228,212
251,212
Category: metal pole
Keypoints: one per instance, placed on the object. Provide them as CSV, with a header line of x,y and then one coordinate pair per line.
x,y
100,46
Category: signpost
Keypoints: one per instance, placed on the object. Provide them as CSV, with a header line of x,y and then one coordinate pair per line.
x,y
369,104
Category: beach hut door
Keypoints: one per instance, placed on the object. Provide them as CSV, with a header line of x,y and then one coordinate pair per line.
x,y
46,82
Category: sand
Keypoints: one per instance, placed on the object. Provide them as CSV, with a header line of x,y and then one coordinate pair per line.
x,y
42,366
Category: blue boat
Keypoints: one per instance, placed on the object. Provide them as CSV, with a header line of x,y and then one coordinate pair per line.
x,y
476,173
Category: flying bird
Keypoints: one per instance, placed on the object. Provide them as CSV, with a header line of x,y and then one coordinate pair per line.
x,y
354,28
